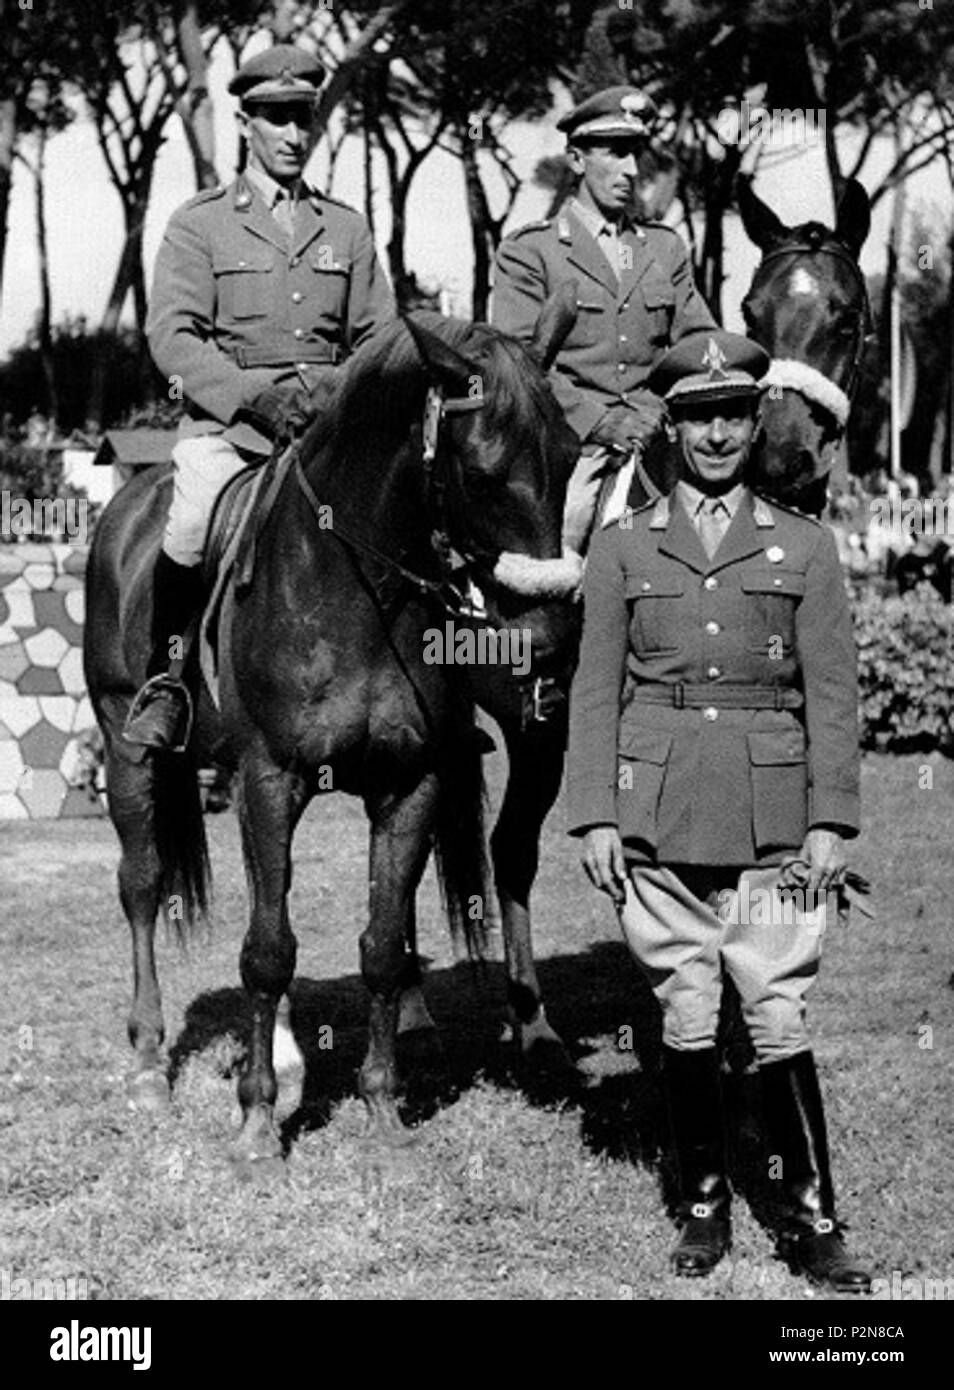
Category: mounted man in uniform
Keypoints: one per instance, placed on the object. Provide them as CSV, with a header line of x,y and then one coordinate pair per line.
x,y
714,778
635,295
261,289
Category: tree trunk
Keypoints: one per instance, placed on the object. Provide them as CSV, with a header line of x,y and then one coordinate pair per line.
x,y
481,224
8,137
196,109
130,277
46,301
718,198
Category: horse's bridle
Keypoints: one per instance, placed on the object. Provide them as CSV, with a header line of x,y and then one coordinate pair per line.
x,y
444,591
841,253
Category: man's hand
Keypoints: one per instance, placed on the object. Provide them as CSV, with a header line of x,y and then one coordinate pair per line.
x,y
603,860
627,427
824,852
282,412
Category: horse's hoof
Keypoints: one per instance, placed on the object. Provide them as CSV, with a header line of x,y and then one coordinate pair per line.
x,y
385,1127
541,1047
261,1171
413,1014
148,1091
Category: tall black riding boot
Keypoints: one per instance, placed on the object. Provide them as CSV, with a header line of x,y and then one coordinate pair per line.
x,y
694,1096
809,1237
161,714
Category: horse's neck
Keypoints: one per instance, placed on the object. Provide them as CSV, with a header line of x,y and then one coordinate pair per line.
x,y
372,479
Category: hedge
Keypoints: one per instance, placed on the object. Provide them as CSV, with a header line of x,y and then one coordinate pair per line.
x,y
905,670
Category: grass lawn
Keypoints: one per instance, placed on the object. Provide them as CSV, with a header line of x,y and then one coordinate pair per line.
x,y
509,1192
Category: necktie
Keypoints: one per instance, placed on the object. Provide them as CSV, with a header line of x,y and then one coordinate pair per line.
x,y
714,518
283,212
608,242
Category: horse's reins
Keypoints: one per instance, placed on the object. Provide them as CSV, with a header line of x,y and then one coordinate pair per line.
x,y
799,376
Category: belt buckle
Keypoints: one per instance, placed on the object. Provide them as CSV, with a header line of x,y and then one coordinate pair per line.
x,y
679,695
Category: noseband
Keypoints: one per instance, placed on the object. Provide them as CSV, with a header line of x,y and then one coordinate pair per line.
x,y
801,376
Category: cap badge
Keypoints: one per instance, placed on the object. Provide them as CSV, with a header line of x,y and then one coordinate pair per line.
x,y
714,358
775,555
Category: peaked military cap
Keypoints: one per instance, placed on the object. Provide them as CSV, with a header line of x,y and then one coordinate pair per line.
x,y
284,72
615,112
709,367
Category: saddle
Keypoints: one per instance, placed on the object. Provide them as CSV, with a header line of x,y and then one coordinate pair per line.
x,y
241,509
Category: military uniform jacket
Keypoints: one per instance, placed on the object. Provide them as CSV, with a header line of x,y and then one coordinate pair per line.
x,y
623,325
236,304
711,785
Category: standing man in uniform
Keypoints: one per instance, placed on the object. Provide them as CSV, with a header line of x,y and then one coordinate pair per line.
x,y
261,288
636,295
714,746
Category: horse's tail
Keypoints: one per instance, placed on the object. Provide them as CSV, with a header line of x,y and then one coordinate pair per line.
x,y
180,840
460,851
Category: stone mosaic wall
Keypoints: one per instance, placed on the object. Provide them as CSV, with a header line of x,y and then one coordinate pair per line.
x,y
44,710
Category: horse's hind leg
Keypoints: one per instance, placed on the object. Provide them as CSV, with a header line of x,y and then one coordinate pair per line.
x,y
536,768
400,844
130,788
269,804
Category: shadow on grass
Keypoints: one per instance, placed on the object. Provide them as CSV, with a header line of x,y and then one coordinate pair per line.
x,y
598,1003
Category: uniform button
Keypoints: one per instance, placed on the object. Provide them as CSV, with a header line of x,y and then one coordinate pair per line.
x,y
713,629
777,583
295,260
711,582
297,297
621,367
646,586
242,265
711,713
622,338
714,673
301,366
299,333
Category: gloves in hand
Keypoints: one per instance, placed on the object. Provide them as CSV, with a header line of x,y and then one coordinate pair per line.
x,y
282,412
627,427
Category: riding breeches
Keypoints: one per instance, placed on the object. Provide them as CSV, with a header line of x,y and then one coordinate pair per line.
x,y
685,928
203,464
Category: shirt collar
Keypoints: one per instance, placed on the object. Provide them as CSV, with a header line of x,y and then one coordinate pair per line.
x,y
594,222
270,189
693,499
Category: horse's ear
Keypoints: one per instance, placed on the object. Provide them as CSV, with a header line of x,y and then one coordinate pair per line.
x,y
447,366
758,219
854,216
555,323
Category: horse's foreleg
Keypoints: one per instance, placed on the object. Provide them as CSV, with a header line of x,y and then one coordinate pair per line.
x,y
536,767
269,803
130,790
414,1015
400,844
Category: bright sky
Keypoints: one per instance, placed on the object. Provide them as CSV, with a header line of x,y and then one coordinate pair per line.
x,y
85,220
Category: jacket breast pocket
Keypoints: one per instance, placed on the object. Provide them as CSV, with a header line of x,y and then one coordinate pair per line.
x,y
779,774
329,280
244,285
643,760
772,600
659,300
654,605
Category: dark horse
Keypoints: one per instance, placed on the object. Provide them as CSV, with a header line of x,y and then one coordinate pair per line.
x,y
323,675
808,306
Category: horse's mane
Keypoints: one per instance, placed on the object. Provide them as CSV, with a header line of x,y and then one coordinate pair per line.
x,y
379,394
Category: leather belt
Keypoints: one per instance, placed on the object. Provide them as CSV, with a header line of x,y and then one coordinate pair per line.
x,y
309,353
683,696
